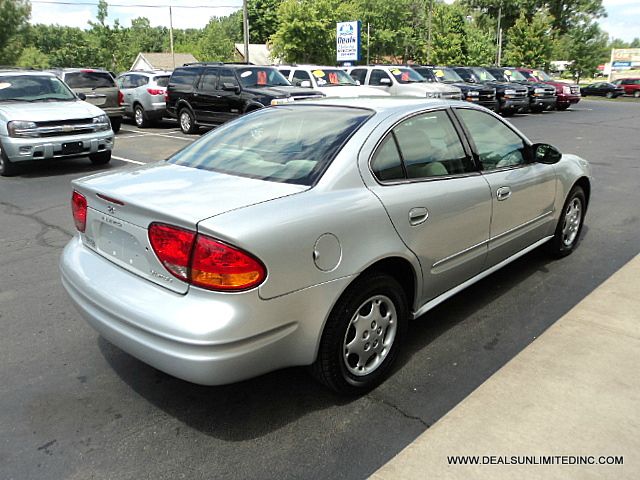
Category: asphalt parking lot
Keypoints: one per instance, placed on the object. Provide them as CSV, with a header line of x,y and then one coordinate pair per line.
x,y
73,406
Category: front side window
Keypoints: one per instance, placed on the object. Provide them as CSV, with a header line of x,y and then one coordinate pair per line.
x,y
377,75
290,144
496,144
300,76
227,78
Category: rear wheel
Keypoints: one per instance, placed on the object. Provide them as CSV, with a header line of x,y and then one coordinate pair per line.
x,y
100,158
187,121
362,336
140,117
570,223
7,167
115,124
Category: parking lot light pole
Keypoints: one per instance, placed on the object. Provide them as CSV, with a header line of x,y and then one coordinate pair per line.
x,y
173,54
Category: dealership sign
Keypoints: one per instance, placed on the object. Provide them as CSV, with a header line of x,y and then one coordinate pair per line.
x,y
348,41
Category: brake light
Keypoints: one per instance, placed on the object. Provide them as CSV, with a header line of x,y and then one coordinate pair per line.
x,y
218,266
204,261
156,91
173,247
79,210
120,98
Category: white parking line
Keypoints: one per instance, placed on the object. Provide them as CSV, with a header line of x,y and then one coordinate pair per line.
x,y
142,134
122,159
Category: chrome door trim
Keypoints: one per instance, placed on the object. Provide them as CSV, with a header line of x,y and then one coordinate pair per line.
x,y
450,293
462,252
522,225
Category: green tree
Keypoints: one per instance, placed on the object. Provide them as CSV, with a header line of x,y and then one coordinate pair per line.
x,y
587,50
529,42
479,44
447,36
14,15
215,45
31,57
263,19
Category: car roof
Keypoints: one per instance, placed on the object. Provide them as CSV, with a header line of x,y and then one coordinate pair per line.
x,y
34,73
151,73
389,104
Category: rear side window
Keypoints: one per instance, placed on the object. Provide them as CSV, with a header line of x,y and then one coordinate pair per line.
x,y
359,75
387,164
89,80
289,144
184,77
161,81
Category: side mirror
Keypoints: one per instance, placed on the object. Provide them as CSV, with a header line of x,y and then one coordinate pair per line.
x,y
82,96
305,84
545,153
230,87
385,81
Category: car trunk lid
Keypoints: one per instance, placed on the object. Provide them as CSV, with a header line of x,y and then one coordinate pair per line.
x,y
121,207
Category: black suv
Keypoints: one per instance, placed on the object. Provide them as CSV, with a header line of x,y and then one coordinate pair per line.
x,y
213,93
480,94
541,95
511,97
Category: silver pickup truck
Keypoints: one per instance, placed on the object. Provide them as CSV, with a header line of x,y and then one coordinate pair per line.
x,y
42,119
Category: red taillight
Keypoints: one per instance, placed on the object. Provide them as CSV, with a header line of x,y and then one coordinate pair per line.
x,y
120,98
218,266
204,261
173,247
79,210
166,96
156,91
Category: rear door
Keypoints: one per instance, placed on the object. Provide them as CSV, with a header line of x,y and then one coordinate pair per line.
x,y
522,192
205,100
438,202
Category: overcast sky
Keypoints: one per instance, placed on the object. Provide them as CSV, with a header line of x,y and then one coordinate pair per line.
x,y
623,19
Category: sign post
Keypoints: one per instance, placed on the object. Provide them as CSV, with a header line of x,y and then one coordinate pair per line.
x,y
348,41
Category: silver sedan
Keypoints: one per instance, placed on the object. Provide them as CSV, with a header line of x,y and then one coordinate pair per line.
x,y
311,233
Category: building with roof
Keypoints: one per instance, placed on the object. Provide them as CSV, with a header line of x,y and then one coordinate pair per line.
x,y
161,61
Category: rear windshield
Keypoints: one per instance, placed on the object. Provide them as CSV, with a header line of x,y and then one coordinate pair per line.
x,y
32,88
289,144
161,81
89,80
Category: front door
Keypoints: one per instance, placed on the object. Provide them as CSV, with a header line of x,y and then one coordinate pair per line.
x,y
437,200
523,192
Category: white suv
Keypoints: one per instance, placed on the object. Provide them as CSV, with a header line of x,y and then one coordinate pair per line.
x,y
399,80
331,81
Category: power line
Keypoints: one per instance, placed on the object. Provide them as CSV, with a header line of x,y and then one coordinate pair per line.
x,y
129,5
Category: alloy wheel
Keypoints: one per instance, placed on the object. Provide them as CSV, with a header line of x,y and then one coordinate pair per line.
x,y
572,219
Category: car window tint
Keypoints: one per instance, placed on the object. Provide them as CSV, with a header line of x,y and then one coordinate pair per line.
x,y
300,76
142,80
227,78
291,144
430,146
285,72
376,76
184,77
496,144
359,75
386,163
161,81
209,80
124,81
89,79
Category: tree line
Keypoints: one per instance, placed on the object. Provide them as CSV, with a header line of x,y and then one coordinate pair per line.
x,y
534,32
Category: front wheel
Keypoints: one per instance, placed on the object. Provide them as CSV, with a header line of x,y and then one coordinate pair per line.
x,y
362,336
100,158
610,95
569,226
7,167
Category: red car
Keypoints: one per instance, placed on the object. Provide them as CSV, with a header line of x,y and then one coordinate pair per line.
x,y
631,86
567,94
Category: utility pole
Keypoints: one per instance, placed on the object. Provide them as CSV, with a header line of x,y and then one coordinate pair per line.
x,y
173,53
429,32
368,40
499,39
245,28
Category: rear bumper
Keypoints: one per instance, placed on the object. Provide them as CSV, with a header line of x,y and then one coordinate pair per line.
x,y
203,337
47,148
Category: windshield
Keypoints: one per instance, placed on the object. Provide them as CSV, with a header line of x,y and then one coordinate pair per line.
x,y
447,75
32,88
89,79
290,144
515,75
542,75
261,77
326,77
483,75
406,75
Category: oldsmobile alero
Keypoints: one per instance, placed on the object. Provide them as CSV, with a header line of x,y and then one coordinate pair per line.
x,y
311,233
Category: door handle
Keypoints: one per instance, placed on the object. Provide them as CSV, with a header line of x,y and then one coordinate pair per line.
x,y
503,193
418,215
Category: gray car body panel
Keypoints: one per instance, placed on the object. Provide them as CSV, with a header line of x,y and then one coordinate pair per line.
x,y
214,337
154,105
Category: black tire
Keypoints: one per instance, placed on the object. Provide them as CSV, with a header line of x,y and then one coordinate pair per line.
x,y
7,167
563,107
334,365
115,124
507,112
610,95
536,109
140,117
189,127
100,158
559,246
